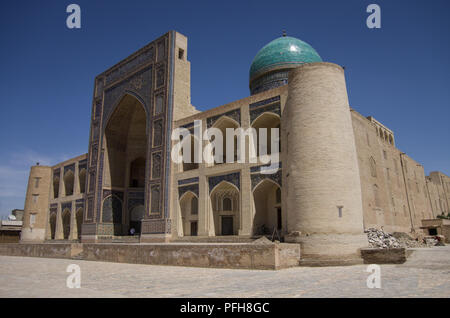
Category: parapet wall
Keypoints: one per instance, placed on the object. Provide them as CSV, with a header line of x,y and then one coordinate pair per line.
x,y
238,256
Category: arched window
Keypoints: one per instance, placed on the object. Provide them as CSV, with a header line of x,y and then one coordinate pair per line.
x,y
226,204
69,182
373,167
194,206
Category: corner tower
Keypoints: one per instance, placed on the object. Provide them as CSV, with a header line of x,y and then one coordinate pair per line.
x,y
35,216
323,190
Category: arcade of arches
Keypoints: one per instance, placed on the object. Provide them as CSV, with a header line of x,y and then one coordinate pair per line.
x,y
68,227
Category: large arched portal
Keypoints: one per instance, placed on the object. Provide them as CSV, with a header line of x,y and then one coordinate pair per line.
x,y
267,203
126,155
225,200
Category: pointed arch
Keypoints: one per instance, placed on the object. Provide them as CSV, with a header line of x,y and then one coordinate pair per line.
x,y
125,140
226,219
112,210
222,124
69,182
224,182
126,94
267,120
266,179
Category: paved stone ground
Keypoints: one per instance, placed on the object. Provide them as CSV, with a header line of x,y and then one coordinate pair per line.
x,y
425,274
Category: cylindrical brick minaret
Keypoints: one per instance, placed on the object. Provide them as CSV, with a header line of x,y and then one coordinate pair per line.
x,y
35,215
323,190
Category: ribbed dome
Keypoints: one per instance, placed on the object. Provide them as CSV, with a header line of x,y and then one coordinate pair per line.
x,y
282,53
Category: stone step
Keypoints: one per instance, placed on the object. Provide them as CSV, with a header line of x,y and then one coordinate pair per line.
x,y
119,239
214,239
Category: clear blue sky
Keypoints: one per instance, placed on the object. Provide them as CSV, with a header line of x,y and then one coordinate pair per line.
x,y
399,73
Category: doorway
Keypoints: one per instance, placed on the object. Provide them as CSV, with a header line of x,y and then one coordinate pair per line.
x,y
227,225
194,228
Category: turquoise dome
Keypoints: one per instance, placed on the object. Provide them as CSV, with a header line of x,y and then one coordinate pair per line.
x,y
282,53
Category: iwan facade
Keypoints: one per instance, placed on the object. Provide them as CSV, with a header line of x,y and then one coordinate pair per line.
x,y
339,172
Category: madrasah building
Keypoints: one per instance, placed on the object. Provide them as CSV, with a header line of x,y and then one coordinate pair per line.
x,y
339,171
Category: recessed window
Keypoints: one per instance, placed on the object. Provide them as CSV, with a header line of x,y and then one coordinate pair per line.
x,y
36,182
181,54
226,204
340,207
32,219
35,198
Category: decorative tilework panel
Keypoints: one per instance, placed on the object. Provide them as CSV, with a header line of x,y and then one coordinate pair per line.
x,y
156,165
156,226
146,56
70,167
192,187
139,85
159,104
258,177
233,114
233,178
66,205
155,198
274,108
157,132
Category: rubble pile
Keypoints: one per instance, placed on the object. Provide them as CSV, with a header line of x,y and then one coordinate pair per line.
x,y
381,239
407,241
